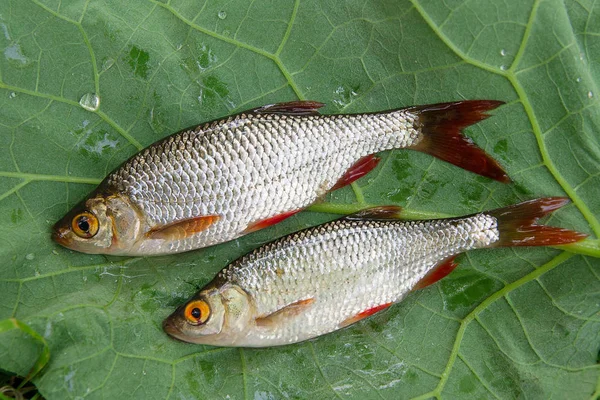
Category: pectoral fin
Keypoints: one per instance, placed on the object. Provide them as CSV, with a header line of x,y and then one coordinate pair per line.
x,y
289,311
182,229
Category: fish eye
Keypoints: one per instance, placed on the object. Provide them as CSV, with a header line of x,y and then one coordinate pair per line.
x,y
85,225
197,312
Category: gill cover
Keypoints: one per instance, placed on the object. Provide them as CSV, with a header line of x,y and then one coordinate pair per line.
x,y
99,224
229,317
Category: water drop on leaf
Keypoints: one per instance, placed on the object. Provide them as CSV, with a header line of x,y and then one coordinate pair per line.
x,y
90,101
502,52
590,94
107,64
222,15
30,256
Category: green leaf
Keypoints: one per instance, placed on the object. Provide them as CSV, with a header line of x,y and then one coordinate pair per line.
x,y
85,84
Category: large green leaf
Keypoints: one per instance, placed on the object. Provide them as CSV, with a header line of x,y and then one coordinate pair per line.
x,y
505,323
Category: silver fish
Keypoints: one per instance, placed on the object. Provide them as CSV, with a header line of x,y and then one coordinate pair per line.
x,y
328,277
223,179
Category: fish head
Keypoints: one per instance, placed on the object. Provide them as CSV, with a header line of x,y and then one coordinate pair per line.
x,y
100,224
215,316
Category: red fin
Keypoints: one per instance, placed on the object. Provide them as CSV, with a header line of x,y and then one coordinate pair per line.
x,y
182,229
437,273
258,225
441,125
381,212
291,310
517,224
364,314
359,169
300,107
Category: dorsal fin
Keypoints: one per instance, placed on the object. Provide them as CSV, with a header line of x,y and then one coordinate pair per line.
x,y
380,212
298,107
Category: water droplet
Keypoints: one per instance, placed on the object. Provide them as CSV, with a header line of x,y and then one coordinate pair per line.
x,y
55,252
578,80
15,54
503,67
590,94
96,143
222,14
30,256
502,52
12,95
85,278
226,32
90,101
107,64
345,96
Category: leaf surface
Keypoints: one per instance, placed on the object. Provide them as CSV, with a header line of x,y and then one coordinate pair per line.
x,y
86,84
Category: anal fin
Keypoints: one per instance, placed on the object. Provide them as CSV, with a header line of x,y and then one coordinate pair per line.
x,y
358,170
264,223
183,228
363,314
289,311
437,273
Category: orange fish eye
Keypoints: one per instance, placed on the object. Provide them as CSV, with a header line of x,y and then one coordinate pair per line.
x,y
85,225
197,312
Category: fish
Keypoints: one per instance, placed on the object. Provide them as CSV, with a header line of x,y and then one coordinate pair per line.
x,y
331,276
223,179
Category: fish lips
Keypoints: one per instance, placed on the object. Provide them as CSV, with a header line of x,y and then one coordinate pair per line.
x,y
60,234
172,329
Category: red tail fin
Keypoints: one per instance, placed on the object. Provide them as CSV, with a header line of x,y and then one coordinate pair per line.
x,y
517,224
441,125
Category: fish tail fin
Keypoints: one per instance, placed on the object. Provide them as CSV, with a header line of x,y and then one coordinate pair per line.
x,y
517,224
441,125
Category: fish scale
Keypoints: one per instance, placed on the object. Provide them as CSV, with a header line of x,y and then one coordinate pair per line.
x,y
349,266
198,171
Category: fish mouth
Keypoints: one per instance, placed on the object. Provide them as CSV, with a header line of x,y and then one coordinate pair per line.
x,y
60,236
171,329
